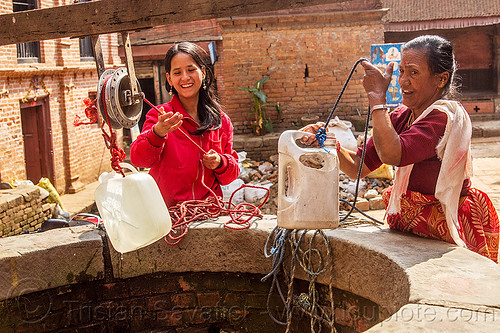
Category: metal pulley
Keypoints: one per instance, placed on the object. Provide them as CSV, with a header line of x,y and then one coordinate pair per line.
x,y
116,98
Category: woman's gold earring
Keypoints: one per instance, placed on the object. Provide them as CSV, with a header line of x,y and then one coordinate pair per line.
x,y
170,91
204,85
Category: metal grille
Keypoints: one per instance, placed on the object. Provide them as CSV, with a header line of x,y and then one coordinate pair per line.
x,y
86,51
27,52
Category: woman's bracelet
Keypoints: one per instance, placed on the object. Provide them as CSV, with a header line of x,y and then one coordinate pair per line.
x,y
379,106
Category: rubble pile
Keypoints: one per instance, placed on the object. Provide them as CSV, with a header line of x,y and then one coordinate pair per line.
x,y
265,173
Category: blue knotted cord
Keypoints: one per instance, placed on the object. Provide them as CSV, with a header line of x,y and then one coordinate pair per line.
x,y
321,137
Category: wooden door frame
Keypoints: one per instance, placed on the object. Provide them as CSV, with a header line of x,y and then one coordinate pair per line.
x,y
45,133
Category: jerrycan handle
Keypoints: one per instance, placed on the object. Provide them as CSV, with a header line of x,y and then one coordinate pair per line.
x,y
128,166
287,143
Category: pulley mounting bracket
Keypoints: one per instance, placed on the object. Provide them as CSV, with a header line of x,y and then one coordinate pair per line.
x,y
118,91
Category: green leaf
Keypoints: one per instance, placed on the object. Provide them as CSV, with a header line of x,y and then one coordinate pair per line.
x,y
268,125
278,108
261,95
261,82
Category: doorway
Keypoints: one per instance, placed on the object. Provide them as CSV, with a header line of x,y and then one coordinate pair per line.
x,y
37,137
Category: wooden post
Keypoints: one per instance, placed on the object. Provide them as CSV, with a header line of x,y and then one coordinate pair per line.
x,y
99,59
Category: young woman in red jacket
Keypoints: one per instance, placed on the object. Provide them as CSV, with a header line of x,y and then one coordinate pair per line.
x,y
180,168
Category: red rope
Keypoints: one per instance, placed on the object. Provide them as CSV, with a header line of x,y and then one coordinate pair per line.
x,y
90,113
117,154
190,211
186,212
185,134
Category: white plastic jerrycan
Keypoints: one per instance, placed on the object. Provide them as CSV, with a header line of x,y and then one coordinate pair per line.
x,y
132,209
308,190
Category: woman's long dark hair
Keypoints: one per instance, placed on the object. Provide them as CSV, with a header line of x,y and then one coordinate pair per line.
x,y
440,58
209,108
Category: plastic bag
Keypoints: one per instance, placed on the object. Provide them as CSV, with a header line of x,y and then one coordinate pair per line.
x,y
227,191
383,171
53,195
342,131
252,195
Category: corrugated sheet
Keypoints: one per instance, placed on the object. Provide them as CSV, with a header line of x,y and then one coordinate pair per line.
x,y
442,24
425,10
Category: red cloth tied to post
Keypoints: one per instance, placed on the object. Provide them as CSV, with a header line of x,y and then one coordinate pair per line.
x,y
90,113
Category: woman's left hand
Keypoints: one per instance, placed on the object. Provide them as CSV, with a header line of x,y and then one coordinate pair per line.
x,y
211,159
376,82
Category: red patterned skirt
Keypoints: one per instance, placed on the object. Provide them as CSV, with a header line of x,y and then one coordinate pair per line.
x,y
423,215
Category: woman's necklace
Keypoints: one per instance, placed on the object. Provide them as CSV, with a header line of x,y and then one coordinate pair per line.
x,y
410,120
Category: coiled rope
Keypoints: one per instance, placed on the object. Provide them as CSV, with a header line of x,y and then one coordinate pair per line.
x,y
312,262
186,212
90,113
307,302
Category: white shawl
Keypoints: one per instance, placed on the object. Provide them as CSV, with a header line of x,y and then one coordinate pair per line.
x,y
456,165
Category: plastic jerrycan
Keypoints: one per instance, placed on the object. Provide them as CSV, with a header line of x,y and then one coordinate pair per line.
x,y
132,209
308,192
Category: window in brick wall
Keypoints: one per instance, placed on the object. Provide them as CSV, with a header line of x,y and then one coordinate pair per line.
x,y
476,80
27,52
86,50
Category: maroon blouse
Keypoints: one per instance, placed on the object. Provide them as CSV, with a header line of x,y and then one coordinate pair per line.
x,y
418,147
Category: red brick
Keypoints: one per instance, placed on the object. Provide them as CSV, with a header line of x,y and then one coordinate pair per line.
x,y
209,299
169,318
195,316
184,300
233,299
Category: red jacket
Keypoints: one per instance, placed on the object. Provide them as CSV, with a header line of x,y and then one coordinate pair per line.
x,y
175,162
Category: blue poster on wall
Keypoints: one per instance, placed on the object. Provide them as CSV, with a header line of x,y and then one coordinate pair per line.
x,y
381,56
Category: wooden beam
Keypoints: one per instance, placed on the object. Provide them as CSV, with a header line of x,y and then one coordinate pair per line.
x,y
108,16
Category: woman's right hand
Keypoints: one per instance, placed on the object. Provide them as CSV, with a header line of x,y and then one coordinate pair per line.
x,y
313,129
167,122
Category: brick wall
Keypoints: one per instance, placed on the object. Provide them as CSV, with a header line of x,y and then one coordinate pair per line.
x,y
258,148
476,48
473,47
174,302
282,46
79,154
22,210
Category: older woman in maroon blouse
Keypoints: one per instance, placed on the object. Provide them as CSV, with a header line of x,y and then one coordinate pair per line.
x,y
428,139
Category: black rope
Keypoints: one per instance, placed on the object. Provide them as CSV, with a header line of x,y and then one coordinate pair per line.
x,y
321,134
281,236
321,137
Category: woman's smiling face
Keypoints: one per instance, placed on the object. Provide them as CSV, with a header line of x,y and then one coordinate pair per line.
x,y
185,75
419,86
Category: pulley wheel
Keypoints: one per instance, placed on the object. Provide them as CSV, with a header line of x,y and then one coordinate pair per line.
x,y
122,109
100,101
